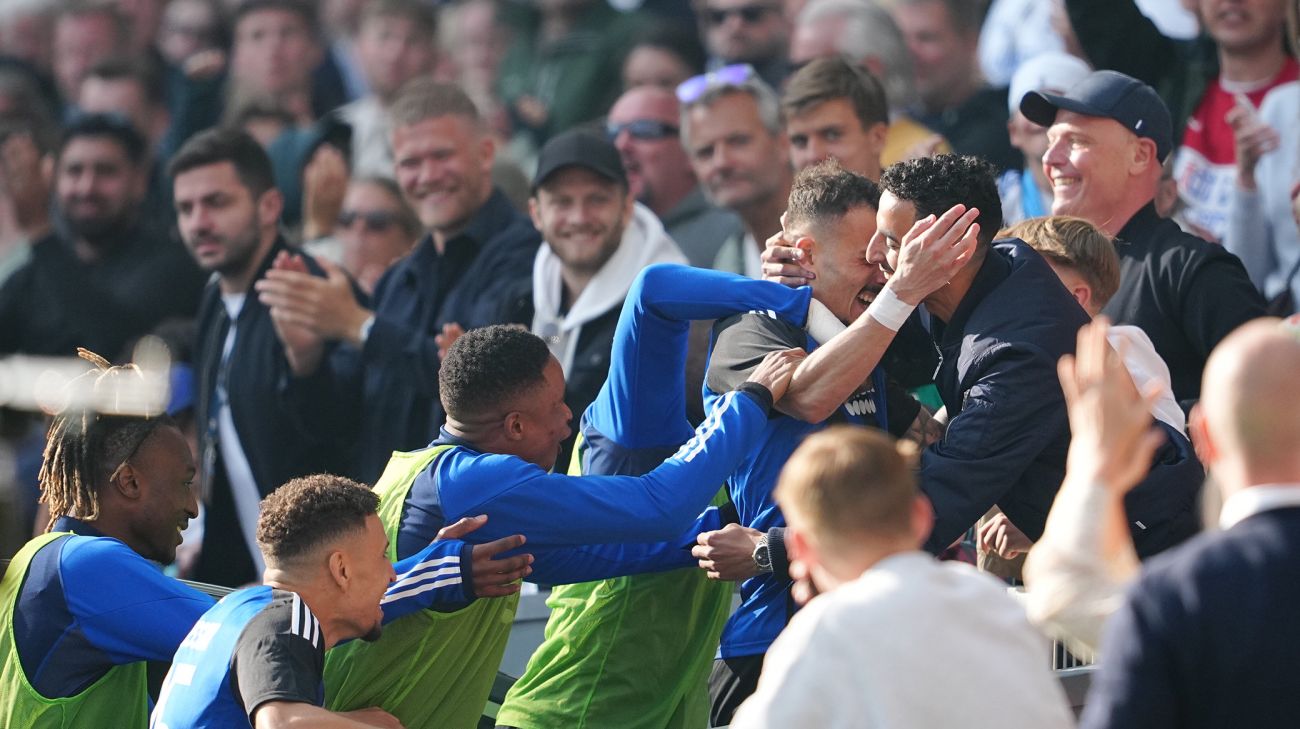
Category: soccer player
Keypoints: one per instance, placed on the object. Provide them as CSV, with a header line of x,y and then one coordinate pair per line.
x,y
256,658
503,392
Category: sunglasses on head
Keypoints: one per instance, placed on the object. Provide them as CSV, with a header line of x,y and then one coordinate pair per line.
x,y
376,221
749,14
690,90
645,129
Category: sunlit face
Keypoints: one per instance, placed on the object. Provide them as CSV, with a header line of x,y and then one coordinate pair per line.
x,y
274,52
545,418
581,216
372,573
1087,162
98,188
164,469
832,129
652,66
744,31
846,283
737,160
657,167
392,50
218,218
894,219
942,56
1243,25
444,168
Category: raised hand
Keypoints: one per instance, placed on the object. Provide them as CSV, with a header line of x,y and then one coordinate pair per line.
x,y
933,251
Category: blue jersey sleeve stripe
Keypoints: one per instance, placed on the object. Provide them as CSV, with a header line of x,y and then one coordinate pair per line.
x,y
414,591
423,577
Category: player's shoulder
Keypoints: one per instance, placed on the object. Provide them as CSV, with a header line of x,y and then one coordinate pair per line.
x,y
286,614
763,324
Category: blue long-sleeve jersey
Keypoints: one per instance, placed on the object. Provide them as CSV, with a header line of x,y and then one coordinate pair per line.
x,y
593,527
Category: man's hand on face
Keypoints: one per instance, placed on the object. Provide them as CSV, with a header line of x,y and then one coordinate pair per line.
x,y
727,553
492,577
783,262
932,252
326,305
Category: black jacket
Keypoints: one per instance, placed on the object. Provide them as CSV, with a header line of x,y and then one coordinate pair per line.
x,y
1185,293
1007,432
282,438
396,372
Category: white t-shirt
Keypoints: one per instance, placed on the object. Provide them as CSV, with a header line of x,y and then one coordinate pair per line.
x,y
243,485
913,642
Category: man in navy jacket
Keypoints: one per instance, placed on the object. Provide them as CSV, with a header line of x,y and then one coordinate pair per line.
x,y
1206,637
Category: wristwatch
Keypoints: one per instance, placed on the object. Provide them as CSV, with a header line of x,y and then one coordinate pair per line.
x,y
762,556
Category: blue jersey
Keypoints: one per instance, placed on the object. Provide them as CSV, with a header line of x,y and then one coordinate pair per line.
x,y
259,644
593,527
89,602
741,342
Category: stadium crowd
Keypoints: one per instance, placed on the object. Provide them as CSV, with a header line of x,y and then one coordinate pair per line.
x,y
822,360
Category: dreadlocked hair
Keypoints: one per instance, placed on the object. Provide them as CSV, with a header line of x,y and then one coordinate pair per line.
x,y
86,446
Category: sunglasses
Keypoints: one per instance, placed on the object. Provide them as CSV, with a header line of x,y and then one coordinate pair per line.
x,y
690,90
644,129
749,14
377,221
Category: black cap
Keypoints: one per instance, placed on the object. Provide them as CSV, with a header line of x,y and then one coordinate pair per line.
x,y
580,148
1111,95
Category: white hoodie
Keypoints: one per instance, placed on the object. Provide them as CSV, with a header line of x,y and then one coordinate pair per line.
x,y
645,242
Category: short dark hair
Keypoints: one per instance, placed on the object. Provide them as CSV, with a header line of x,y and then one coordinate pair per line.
x,y
111,126
827,191
935,184
419,13
227,145
126,69
485,368
827,79
309,512
304,10
677,38
424,98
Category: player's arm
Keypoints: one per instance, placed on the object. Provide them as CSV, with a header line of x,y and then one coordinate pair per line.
x,y
124,604
449,573
289,715
560,510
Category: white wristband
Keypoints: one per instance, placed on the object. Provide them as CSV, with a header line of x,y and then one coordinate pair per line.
x,y
889,310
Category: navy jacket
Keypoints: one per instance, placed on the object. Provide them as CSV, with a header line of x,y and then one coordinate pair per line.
x,y
284,435
1207,636
1185,293
1007,429
396,372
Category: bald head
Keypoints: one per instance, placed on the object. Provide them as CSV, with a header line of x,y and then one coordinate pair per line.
x,y
644,126
1248,399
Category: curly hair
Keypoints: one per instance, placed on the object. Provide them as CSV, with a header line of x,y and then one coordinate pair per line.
x,y
309,512
935,184
488,367
85,447
826,191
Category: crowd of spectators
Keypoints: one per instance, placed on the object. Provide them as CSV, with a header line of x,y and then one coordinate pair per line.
x,y
326,211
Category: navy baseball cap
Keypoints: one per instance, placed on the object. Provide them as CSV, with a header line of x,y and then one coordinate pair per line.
x,y
1111,95
580,148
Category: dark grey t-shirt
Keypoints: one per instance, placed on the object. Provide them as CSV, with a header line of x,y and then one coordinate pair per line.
x,y
280,656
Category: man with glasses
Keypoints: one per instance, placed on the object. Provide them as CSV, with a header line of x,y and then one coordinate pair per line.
x,y
732,131
374,228
747,31
643,125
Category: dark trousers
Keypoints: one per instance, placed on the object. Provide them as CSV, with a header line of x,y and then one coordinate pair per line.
x,y
730,683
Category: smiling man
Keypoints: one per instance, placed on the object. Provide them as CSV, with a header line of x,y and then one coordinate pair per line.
x,y
1107,137
471,269
597,241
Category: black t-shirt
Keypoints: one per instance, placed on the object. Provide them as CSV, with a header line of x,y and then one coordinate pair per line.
x,y
743,340
280,656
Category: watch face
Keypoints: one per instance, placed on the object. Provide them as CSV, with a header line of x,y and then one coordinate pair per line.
x,y
762,557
